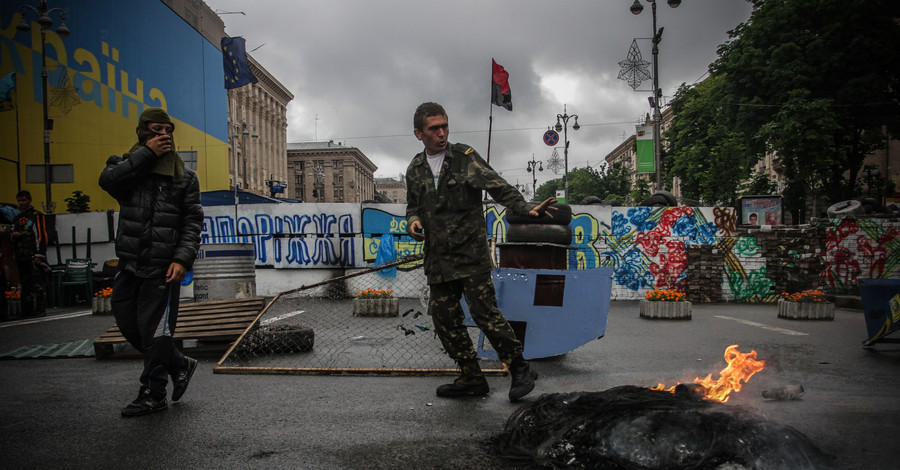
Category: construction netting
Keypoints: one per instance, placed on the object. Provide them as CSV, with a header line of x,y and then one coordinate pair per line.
x,y
366,321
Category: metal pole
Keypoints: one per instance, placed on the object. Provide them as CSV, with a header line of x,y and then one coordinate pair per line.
x,y
566,158
657,115
49,206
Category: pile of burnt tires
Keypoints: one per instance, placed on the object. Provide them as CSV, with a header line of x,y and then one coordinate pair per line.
x,y
856,207
550,227
660,199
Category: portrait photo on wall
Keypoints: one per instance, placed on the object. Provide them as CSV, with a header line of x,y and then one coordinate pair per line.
x,y
760,210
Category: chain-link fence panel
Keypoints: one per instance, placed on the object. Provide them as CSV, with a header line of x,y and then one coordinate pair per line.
x,y
368,321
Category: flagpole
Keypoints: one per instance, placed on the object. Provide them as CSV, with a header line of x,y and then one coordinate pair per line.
x,y
490,127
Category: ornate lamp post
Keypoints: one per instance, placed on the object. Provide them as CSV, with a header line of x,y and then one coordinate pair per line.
x,y
562,124
533,168
637,8
43,12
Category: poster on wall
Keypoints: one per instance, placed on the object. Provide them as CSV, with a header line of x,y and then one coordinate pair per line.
x,y
760,210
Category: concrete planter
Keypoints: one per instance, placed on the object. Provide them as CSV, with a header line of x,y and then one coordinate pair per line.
x,y
101,305
376,307
805,310
674,310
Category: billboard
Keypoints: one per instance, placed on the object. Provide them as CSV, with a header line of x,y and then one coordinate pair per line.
x,y
760,210
645,158
120,58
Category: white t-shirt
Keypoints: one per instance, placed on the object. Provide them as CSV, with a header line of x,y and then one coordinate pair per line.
x,y
435,162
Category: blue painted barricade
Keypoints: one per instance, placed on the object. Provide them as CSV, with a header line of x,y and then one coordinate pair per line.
x,y
557,311
880,299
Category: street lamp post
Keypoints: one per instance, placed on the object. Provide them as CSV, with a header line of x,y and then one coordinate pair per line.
x,y
637,8
533,168
562,124
44,20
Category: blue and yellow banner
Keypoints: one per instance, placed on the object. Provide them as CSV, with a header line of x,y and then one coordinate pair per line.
x,y
120,58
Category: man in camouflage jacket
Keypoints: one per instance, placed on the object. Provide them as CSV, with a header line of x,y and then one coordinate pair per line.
x,y
444,209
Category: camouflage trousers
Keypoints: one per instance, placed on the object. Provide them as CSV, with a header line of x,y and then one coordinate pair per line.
x,y
447,315
34,288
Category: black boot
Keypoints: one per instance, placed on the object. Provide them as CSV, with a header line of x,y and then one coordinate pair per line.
x,y
470,383
523,378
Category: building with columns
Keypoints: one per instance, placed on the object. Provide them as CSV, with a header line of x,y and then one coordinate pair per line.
x,y
329,172
257,112
257,125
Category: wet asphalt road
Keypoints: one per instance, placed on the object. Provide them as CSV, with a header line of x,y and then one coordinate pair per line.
x,y
64,413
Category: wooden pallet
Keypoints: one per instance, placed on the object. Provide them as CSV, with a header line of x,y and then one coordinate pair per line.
x,y
218,323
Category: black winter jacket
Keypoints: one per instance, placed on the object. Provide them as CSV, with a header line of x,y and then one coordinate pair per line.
x,y
159,219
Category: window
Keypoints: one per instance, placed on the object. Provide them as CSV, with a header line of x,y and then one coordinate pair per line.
x,y
339,195
338,164
189,157
338,179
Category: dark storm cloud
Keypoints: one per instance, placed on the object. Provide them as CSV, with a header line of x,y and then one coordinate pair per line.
x,y
362,66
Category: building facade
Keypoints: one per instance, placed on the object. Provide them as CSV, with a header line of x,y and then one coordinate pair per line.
x,y
257,112
329,172
391,190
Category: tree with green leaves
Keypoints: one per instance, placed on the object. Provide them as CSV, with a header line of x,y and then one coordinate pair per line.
x,y
816,82
78,203
589,181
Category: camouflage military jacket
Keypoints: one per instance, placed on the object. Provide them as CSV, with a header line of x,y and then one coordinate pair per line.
x,y
452,213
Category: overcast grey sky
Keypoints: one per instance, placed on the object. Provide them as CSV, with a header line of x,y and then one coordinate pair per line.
x,y
359,68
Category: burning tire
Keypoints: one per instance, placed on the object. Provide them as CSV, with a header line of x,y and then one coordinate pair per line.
x,y
540,233
561,216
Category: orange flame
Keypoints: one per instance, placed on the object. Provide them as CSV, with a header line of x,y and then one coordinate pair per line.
x,y
741,366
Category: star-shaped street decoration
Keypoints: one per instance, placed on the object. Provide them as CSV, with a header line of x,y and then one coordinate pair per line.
x,y
64,96
634,68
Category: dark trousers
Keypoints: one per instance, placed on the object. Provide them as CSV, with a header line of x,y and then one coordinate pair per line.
x,y
448,317
146,310
34,290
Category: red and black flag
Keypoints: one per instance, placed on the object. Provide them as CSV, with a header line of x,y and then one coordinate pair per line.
x,y
500,87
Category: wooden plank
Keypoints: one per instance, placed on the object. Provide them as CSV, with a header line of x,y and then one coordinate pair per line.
x,y
223,320
221,303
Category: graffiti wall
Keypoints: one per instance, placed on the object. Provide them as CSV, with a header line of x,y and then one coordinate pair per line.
x,y
701,251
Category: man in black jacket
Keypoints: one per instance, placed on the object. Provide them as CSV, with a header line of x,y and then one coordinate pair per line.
x,y
160,220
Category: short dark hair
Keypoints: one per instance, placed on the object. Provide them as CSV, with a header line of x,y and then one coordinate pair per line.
x,y
425,111
23,193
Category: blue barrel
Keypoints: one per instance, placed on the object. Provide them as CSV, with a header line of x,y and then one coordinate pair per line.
x,y
225,271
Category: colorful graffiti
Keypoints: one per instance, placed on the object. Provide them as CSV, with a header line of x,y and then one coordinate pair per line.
x,y
860,248
289,240
647,247
377,222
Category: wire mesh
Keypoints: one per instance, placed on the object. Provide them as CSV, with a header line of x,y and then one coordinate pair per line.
x,y
325,328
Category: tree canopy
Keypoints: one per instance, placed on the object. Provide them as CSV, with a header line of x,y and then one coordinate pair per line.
x,y
816,82
605,183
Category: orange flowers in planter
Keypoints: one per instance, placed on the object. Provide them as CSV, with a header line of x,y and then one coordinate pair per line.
x,y
104,293
665,295
375,294
12,295
809,295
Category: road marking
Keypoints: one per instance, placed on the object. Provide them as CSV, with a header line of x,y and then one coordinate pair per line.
x,y
269,321
29,321
764,326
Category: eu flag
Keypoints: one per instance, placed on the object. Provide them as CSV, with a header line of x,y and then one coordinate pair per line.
x,y
237,69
